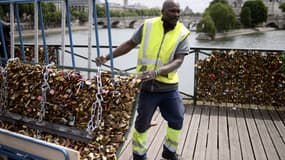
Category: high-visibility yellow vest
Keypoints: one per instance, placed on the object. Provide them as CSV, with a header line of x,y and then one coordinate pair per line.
x,y
157,49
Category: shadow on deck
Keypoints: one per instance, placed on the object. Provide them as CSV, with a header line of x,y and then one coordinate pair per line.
x,y
221,133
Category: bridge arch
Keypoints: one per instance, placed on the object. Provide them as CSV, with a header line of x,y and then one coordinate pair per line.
x,y
115,24
101,23
272,24
132,24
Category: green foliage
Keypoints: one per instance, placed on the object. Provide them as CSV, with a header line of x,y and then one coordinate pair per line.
x,y
27,8
81,16
222,15
2,13
50,14
134,13
100,11
258,11
3,10
207,25
48,7
218,1
245,17
282,7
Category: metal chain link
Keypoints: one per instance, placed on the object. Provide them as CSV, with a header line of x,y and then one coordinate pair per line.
x,y
45,87
96,110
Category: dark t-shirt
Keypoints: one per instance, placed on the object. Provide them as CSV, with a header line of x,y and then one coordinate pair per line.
x,y
154,85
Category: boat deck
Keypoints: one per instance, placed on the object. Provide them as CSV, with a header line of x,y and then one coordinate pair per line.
x,y
221,133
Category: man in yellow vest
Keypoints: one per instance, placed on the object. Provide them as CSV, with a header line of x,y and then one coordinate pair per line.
x,y
164,42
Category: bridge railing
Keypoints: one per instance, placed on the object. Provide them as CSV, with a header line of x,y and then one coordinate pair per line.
x,y
228,76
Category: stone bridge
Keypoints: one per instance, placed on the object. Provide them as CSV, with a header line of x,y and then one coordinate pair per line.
x,y
276,21
133,22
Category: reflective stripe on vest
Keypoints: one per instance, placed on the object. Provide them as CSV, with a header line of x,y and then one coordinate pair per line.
x,y
139,143
155,42
172,139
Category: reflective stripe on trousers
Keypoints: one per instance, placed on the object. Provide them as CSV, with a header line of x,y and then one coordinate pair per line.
x,y
139,142
171,139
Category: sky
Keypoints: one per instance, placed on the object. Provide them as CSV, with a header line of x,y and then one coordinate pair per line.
x,y
195,5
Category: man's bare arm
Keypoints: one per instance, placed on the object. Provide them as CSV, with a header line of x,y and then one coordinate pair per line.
x,y
119,51
173,65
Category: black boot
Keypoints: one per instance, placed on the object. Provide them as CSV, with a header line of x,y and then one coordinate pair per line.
x,y
166,154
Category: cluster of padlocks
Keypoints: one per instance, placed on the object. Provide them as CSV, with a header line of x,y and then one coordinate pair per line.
x,y
39,93
242,77
30,55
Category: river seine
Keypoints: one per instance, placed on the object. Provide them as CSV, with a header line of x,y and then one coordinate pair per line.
x,y
266,40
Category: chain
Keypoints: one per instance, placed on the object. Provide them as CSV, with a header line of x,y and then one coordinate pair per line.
x,y
3,89
45,87
96,110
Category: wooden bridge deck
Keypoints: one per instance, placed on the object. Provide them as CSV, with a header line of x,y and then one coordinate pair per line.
x,y
221,133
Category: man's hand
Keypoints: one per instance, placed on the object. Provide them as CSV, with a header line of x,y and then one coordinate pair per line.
x,y
101,60
149,75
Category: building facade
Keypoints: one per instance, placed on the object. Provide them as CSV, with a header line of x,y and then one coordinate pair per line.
x,y
272,5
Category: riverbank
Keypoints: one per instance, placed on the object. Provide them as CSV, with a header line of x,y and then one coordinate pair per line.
x,y
31,33
239,32
235,32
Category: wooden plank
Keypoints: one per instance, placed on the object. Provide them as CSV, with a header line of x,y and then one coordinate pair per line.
x,y
275,136
185,129
212,143
257,145
200,151
154,148
187,120
234,143
189,147
36,147
223,147
266,140
127,152
245,141
278,123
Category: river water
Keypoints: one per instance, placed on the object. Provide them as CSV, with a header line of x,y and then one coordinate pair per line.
x,y
267,40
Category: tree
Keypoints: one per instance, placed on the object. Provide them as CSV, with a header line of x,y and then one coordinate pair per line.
x,y
207,25
100,11
50,14
282,7
219,1
2,13
258,11
222,15
245,17
27,8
